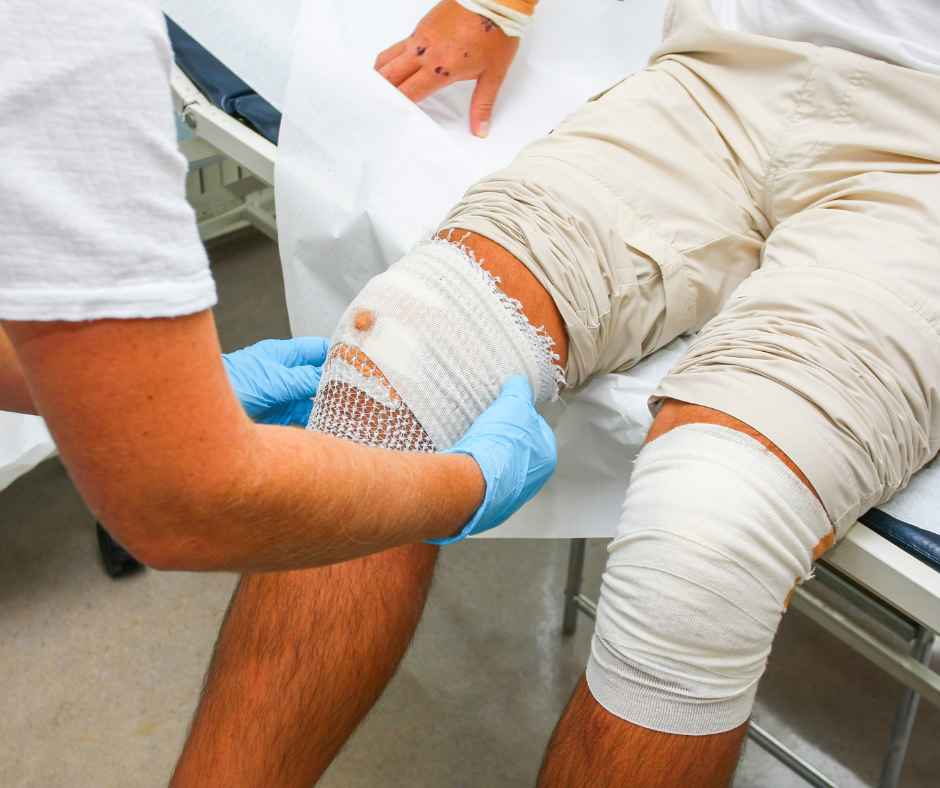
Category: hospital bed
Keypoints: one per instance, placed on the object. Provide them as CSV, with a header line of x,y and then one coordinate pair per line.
x,y
222,120
887,568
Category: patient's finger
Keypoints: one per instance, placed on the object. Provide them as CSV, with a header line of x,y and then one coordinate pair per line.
x,y
389,54
400,69
425,83
484,97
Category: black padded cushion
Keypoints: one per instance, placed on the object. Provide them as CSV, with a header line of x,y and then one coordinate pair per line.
x,y
922,544
259,114
221,86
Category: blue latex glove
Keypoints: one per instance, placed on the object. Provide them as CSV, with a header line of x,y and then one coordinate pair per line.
x,y
275,379
516,450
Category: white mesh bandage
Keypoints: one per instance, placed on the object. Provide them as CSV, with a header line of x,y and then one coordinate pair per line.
x,y
715,533
510,21
432,341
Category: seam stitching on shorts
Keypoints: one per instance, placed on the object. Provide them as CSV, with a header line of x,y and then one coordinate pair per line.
x,y
839,116
706,243
910,307
770,176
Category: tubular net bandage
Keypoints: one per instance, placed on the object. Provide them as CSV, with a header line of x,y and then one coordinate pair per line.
x,y
359,404
424,349
511,22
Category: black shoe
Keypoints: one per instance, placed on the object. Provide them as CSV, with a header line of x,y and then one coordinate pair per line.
x,y
117,561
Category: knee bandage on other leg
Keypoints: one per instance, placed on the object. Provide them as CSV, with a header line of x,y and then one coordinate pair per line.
x,y
715,533
423,350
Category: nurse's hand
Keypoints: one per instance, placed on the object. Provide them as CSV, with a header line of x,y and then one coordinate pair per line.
x,y
452,44
275,379
516,451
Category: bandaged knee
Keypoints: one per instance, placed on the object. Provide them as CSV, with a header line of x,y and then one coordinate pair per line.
x,y
716,532
424,349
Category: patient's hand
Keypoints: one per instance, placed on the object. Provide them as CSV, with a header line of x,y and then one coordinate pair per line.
x,y
449,45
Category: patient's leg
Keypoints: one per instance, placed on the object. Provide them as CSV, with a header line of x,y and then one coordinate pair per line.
x,y
303,656
426,347
703,673
518,282
300,660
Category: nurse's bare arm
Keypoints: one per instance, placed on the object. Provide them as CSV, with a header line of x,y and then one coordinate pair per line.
x,y
14,394
153,435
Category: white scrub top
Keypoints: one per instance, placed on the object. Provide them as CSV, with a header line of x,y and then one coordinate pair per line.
x,y
93,217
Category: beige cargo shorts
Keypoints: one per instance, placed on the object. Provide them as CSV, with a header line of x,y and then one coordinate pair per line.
x,y
779,197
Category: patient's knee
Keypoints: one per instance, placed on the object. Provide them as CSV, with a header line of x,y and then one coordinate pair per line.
x,y
715,533
424,349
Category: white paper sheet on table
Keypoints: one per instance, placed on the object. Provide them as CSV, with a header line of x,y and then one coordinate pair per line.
x,y
24,443
362,174
919,504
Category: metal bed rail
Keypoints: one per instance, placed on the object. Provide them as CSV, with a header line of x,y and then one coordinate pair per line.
x,y
227,203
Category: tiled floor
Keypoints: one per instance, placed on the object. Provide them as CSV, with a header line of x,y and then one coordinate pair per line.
x,y
98,678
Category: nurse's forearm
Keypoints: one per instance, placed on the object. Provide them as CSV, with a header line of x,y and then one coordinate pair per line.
x,y
156,441
14,394
296,499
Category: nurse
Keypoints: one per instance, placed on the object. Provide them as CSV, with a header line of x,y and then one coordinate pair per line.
x,y
107,332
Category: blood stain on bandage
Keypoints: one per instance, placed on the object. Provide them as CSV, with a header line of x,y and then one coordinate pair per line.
x,y
422,50
364,320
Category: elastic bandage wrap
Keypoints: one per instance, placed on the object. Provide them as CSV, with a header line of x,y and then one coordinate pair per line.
x,y
511,21
424,349
716,532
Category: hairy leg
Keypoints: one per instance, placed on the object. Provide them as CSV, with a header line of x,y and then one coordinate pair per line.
x,y
303,656
301,659
593,747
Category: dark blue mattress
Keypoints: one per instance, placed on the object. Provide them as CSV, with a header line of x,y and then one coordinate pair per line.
x,y
922,544
221,86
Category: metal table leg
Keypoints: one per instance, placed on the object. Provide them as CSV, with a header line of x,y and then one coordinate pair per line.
x,y
117,561
790,759
904,718
573,589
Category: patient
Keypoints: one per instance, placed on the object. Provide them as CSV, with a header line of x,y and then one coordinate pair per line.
x,y
779,197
